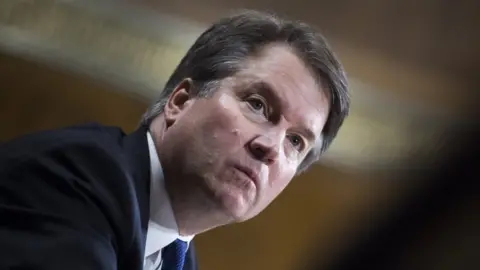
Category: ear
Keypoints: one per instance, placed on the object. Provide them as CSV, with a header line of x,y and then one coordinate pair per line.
x,y
178,101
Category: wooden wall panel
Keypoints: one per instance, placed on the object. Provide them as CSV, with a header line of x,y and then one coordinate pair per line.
x,y
34,97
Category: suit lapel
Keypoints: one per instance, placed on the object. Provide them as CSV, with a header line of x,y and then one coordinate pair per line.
x,y
136,148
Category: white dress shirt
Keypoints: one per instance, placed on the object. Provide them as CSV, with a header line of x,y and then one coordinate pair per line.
x,y
162,227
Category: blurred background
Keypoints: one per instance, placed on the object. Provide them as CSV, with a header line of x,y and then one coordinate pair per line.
x,y
399,188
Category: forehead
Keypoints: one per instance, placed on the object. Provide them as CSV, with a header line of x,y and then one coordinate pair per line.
x,y
303,99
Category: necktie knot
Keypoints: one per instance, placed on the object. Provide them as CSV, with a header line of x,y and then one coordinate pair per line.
x,y
173,255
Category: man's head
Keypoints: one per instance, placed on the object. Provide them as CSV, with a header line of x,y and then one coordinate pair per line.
x,y
255,101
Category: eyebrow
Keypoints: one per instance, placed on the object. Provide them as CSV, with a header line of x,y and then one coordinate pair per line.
x,y
267,89
310,134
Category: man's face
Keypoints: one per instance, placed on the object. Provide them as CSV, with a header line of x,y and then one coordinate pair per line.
x,y
243,144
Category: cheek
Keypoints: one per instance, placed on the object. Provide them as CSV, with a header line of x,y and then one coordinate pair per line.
x,y
281,182
281,174
270,193
278,180
221,129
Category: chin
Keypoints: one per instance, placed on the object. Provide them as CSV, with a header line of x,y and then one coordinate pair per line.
x,y
234,205
237,217
234,196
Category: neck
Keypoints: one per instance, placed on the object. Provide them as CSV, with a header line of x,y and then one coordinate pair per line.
x,y
194,213
157,129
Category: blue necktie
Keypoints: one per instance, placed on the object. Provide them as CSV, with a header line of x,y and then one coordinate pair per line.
x,y
173,255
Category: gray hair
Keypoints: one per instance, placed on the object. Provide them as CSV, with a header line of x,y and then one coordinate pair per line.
x,y
220,51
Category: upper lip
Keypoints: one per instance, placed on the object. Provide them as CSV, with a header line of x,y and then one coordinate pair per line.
x,y
249,172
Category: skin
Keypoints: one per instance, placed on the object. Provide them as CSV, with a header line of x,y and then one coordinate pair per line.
x,y
228,156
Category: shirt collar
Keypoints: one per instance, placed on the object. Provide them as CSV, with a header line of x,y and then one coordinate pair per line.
x,y
162,226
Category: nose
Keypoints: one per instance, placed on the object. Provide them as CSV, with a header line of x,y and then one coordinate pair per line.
x,y
264,149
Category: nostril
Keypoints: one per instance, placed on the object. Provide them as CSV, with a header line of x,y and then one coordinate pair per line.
x,y
258,152
263,149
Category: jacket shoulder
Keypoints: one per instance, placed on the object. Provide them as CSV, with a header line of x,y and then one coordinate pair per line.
x,y
86,163
89,135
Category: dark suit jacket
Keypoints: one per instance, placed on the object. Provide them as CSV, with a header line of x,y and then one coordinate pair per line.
x,y
75,198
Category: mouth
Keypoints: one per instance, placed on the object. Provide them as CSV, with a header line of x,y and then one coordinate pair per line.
x,y
249,173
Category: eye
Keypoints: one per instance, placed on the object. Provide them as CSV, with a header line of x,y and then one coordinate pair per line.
x,y
296,142
257,105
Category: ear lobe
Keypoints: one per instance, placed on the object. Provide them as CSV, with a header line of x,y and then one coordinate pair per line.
x,y
178,101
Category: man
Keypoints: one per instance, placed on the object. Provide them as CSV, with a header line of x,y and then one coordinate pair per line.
x,y
254,102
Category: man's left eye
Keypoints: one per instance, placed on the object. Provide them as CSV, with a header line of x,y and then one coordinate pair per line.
x,y
296,141
257,105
